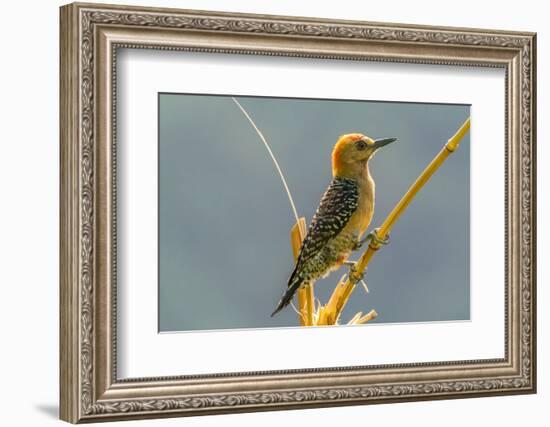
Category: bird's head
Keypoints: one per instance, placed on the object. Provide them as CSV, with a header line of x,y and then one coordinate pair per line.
x,y
352,151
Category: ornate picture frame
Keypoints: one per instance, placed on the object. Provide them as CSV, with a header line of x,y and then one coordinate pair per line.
x,y
90,37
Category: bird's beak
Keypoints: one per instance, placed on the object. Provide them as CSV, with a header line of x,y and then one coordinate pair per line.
x,y
378,143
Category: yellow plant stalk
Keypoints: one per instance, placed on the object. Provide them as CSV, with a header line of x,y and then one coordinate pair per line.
x,y
332,310
306,300
359,319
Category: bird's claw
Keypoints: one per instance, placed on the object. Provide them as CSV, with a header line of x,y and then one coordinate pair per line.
x,y
379,241
373,237
356,276
353,273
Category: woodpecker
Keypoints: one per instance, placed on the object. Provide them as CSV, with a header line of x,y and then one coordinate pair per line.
x,y
343,215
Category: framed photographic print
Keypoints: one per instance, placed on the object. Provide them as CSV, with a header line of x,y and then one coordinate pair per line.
x,y
266,212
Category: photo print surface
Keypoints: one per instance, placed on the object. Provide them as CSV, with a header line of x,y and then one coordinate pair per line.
x,y
225,257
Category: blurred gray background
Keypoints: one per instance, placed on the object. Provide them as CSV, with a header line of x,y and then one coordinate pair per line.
x,y
224,218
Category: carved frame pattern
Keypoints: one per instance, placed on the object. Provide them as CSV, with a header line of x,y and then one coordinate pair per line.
x,y
82,399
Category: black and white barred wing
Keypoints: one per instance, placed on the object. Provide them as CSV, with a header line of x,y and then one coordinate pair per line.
x,y
337,206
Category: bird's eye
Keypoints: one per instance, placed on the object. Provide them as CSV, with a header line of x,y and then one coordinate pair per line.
x,y
361,145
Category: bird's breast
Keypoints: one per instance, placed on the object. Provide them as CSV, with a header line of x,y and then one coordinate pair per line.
x,y
361,219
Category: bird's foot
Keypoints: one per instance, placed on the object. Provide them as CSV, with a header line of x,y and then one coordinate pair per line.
x,y
355,275
351,264
373,237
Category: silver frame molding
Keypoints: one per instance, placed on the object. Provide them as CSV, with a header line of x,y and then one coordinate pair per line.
x,y
90,37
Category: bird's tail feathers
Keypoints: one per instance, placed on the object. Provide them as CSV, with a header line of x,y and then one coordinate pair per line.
x,y
293,285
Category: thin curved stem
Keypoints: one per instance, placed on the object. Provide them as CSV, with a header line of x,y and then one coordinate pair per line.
x,y
292,205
